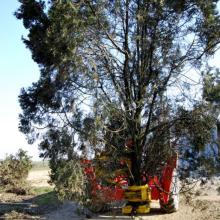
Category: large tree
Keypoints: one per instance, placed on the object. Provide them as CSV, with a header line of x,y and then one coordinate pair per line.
x,y
116,70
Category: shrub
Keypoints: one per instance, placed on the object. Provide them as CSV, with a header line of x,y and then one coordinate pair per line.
x,y
14,171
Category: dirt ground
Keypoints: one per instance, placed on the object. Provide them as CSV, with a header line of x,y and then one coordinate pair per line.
x,y
204,204
198,209
38,178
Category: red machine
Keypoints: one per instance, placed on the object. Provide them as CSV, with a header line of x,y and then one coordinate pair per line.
x,y
165,189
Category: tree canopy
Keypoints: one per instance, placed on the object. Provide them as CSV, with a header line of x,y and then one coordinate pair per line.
x,y
117,70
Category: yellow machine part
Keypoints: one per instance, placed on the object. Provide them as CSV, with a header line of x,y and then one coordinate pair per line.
x,y
143,209
127,209
138,193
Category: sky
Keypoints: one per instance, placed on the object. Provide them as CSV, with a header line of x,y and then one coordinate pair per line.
x,y
18,70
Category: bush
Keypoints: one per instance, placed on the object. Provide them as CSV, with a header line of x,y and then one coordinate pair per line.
x,y
14,171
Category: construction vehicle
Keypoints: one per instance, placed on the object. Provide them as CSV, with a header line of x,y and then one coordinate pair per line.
x,y
137,198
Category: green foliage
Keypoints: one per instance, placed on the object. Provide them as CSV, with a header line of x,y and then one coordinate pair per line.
x,y
14,171
195,125
67,173
70,181
212,86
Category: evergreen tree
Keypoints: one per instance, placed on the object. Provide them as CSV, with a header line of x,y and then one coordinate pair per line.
x,y
108,73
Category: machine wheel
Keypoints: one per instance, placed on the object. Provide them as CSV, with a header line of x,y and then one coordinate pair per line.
x,y
173,203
